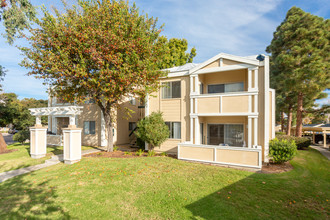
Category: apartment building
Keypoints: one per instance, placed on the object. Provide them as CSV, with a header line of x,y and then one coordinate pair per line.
x,y
220,111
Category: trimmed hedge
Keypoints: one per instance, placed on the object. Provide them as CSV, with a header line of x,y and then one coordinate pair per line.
x,y
282,150
301,142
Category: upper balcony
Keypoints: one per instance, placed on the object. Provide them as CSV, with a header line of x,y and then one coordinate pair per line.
x,y
227,92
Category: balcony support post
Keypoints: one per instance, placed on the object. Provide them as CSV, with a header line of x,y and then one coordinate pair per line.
x,y
249,79
255,132
197,130
249,132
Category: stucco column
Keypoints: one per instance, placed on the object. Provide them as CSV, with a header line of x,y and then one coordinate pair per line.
x,y
72,145
255,142
249,132
38,141
249,79
324,140
197,132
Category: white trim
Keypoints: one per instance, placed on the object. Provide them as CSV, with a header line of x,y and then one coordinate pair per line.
x,y
196,85
255,142
225,114
209,95
197,131
191,85
225,56
266,119
221,62
273,112
249,79
222,69
177,74
256,79
249,132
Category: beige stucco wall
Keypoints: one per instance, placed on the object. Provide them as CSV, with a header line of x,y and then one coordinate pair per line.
x,y
225,156
224,77
197,153
235,104
261,109
227,62
208,105
237,157
174,110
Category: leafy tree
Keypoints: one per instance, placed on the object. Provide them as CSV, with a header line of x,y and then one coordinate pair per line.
x,y
105,50
22,136
175,54
17,15
16,112
152,129
300,58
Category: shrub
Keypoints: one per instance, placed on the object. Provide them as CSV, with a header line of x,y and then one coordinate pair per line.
x,y
279,133
151,153
152,129
163,154
127,153
282,150
301,142
139,152
22,136
115,148
140,143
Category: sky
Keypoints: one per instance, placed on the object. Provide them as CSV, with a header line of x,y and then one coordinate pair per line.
x,y
238,27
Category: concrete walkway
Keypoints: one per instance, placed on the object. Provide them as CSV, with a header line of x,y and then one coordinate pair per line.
x,y
324,151
52,161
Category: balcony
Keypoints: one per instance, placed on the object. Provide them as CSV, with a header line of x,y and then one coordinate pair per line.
x,y
237,103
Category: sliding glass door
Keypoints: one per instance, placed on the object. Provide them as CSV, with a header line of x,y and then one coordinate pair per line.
x,y
225,134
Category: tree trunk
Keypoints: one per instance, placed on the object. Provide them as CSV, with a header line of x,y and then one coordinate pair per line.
x,y
282,121
3,145
109,127
299,114
289,121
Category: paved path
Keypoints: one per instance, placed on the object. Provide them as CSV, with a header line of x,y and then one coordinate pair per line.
x,y
52,161
324,151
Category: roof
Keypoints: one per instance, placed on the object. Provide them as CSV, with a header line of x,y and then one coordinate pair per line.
x,y
184,67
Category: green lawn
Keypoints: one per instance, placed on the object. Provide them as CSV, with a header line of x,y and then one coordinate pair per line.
x,y
166,188
21,157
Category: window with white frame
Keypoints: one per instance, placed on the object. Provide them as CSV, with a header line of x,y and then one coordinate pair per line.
x,y
228,87
171,90
226,134
89,127
175,129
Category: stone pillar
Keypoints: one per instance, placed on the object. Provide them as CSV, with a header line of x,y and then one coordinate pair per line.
x,y
38,141
72,145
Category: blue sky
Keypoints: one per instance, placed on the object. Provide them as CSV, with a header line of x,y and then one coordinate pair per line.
x,y
238,27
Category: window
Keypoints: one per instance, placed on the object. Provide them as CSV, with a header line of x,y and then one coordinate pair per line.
x,y
171,90
132,101
131,126
175,129
226,134
89,127
229,87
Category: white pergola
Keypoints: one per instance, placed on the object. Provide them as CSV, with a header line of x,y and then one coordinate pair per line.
x,y
70,111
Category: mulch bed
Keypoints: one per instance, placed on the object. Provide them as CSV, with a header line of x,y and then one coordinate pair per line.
x,y
115,154
276,168
8,151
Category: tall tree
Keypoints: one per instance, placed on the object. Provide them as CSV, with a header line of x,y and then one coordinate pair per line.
x,y
175,54
16,15
300,57
105,50
3,146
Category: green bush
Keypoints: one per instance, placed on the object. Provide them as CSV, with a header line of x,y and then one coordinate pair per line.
x,y
282,150
152,129
163,154
301,142
140,143
139,152
115,148
279,133
151,153
22,136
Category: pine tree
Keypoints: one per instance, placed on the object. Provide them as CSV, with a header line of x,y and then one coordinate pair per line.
x,y
300,58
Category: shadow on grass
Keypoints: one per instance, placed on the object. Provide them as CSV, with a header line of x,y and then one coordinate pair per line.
x,y
22,199
299,194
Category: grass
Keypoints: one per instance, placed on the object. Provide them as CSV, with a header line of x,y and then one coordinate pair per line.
x,y
21,157
166,188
